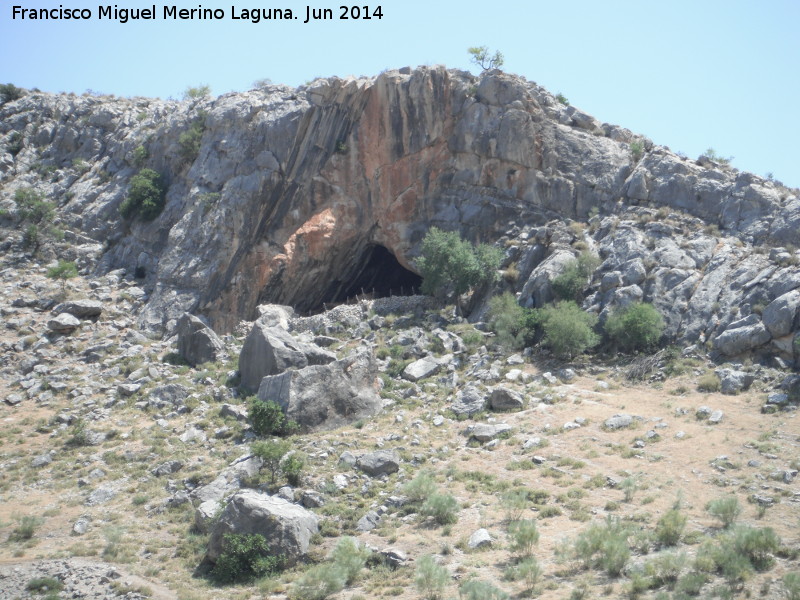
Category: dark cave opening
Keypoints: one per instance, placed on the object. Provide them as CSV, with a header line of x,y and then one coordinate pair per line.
x,y
380,275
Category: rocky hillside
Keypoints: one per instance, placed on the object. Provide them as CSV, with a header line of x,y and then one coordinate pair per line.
x,y
299,196
209,374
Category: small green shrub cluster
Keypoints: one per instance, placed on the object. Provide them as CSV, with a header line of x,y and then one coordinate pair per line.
x,y
139,156
422,495
637,327
603,546
430,578
267,418
514,326
244,557
197,92
791,586
273,453
739,552
569,285
443,508
63,271
527,570
450,265
347,560
189,141
419,489
637,150
25,529
568,330
475,589
670,526
146,196
479,55
49,585
523,536
15,143
9,92
709,382
32,207
726,509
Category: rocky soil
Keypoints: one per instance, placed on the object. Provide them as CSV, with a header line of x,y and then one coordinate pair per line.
x,y
120,454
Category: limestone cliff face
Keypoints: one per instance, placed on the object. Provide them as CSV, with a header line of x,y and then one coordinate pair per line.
x,y
291,188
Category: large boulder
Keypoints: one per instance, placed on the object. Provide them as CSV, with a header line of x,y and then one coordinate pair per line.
x,y
326,396
737,340
272,350
82,309
503,398
63,323
422,368
380,462
781,315
468,402
287,527
197,342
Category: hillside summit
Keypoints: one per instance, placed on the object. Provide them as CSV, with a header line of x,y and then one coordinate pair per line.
x,y
259,250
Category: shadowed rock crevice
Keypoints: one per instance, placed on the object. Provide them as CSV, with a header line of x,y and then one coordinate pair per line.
x,y
378,274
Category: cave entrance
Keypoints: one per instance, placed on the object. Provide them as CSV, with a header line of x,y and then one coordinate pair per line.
x,y
378,275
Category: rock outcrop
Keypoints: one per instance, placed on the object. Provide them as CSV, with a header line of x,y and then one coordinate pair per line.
x,y
287,527
326,396
300,196
197,342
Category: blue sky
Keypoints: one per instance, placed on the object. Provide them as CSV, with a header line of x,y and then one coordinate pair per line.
x,y
689,75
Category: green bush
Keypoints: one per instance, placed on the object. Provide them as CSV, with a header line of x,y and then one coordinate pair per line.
x,y
146,196
197,92
475,589
65,270
267,418
691,583
271,452
244,556
350,557
666,568
319,582
452,266
190,140
527,570
568,329
726,509
513,325
791,586
709,382
524,536
479,55
139,156
637,150
9,92
758,545
442,507
569,285
637,327
515,502
603,546
25,529
420,488
430,578
50,585
669,528
32,207
292,467
15,143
